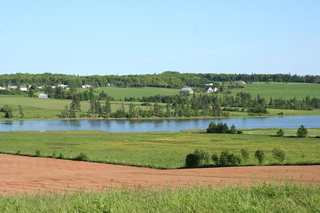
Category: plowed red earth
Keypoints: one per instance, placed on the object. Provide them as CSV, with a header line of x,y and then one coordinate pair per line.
x,y
20,174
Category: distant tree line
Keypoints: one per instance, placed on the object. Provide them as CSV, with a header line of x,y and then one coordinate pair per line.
x,y
168,79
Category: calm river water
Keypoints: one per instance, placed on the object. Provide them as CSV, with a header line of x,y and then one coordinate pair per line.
x,y
158,125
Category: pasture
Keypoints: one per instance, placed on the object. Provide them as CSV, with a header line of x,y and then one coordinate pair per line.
x,y
281,90
158,149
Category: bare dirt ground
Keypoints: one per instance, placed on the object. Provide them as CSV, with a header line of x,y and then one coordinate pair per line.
x,y
20,174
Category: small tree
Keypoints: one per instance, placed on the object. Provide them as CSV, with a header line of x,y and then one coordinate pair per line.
x,y
223,160
212,127
233,129
203,155
279,154
215,159
245,154
280,133
37,152
192,160
21,111
302,132
259,154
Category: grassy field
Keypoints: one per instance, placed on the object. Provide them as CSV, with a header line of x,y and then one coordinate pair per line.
x,y
158,149
281,90
35,108
133,92
274,197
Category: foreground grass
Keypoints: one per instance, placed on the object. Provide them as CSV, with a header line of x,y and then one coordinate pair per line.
x,y
273,197
159,149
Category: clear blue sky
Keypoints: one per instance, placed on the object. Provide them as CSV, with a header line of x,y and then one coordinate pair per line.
x,y
144,37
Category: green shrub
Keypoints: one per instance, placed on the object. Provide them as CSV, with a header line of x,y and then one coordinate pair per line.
x,y
239,132
280,133
259,155
192,160
245,154
82,157
37,153
302,132
279,154
215,159
54,154
18,152
61,156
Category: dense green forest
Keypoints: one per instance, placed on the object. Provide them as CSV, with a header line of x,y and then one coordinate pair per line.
x,y
169,79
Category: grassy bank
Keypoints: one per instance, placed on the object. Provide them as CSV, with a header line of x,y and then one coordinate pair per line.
x,y
274,197
159,149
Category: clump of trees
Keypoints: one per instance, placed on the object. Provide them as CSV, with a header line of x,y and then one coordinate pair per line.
x,y
197,158
221,128
226,158
7,110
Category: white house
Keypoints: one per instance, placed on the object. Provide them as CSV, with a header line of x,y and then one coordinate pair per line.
x,y
39,87
53,87
86,86
2,88
62,85
43,95
239,82
187,90
210,90
12,87
210,84
23,88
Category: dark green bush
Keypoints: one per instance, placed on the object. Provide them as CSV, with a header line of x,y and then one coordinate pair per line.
x,y
280,133
37,153
192,160
82,157
259,155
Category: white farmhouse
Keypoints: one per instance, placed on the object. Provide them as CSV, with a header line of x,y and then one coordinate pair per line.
x,y
187,90
12,87
2,88
86,86
23,88
43,95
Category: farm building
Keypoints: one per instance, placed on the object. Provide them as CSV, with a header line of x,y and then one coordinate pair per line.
x,y
186,90
12,87
23,88
210,84
2,88
239,82
210,90
86,86
43,95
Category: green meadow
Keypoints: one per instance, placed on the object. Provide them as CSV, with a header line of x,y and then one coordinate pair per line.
x,y
159,149
281,90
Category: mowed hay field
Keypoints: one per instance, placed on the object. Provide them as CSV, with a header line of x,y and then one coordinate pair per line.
x,y
158,149
35,108
281,90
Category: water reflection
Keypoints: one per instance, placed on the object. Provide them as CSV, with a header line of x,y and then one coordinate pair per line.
x,y
158,124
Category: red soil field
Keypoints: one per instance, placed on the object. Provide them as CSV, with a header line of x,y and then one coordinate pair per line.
x,y
20,174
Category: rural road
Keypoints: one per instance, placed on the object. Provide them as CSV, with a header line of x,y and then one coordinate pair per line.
x,y
20,174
